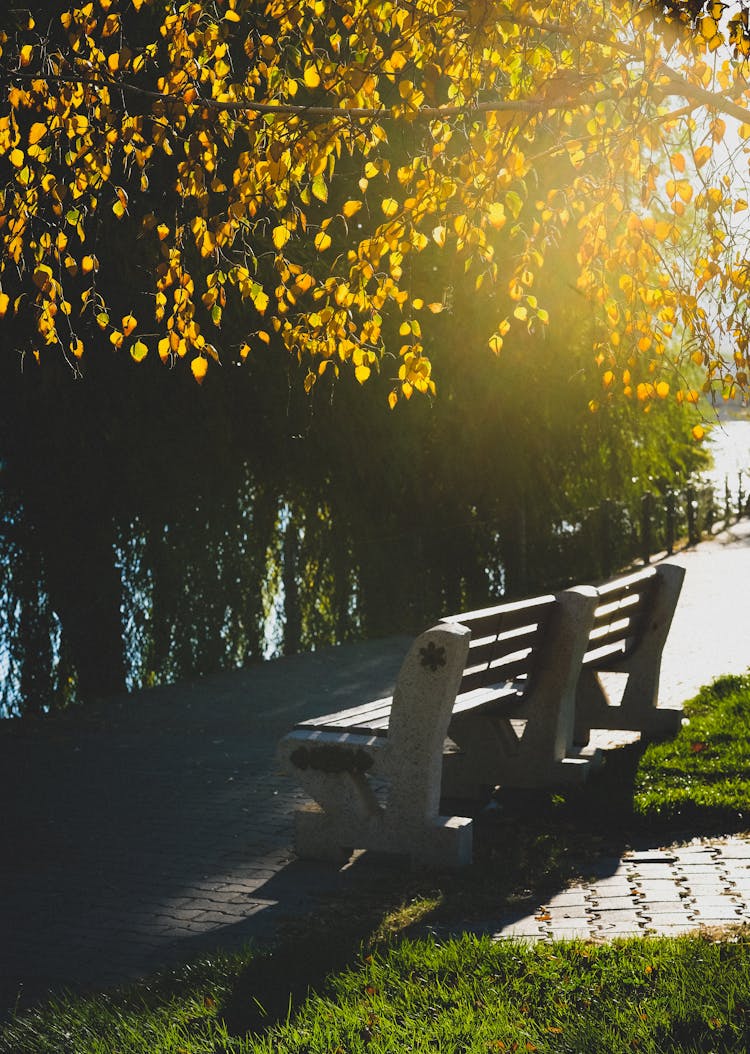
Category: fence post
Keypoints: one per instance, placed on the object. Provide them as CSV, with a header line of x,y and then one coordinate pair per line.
x,y
669,513
710,495
605,535
647,517
740,495
693,537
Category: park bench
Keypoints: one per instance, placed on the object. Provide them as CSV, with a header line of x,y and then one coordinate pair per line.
x,y
484,698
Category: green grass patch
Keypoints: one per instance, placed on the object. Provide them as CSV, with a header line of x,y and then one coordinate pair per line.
x,y
702,776
472,996
467,996
176,1012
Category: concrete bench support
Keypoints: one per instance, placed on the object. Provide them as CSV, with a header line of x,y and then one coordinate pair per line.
x,y
640,659
530,743
337,768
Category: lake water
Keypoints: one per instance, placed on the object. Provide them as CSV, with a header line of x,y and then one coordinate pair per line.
x,y
730,447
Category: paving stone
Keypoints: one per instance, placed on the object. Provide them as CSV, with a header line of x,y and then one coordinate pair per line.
x,y
614,903
574,896
523,928
559,932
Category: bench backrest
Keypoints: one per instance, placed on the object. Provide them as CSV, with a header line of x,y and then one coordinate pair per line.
x,y
504,640
625,604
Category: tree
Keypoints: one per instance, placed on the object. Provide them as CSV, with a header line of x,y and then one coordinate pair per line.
x,y
166,166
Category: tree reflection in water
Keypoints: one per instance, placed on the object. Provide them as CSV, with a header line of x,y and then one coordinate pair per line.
x,y
152,530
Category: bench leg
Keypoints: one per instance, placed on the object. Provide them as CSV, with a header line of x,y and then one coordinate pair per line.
x,y
637,710
544,755
349,815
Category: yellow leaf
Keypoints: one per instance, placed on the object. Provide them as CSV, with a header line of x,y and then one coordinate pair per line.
x,y
163,348
76,346
662,389
16,158
349,208
521,313
389,206
139,350
392,399
709,28
199,366
496,215
37,132
362,373
229,16
129,323
322,241
311,76
698,433
4,302
438,236
496,343
678,162
701,155
320,188
280,235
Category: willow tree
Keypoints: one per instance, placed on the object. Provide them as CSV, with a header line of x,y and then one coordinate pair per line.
x,y
293,158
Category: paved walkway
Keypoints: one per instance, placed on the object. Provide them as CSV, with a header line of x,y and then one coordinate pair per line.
x,y
142,831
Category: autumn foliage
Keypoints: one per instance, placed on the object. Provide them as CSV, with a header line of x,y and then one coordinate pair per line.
x,y
197,180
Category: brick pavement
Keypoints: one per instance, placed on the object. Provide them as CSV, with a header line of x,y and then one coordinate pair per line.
x,y
143,830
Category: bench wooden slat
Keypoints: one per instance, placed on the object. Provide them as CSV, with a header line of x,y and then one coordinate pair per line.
x,y
507,668
354,715
607,651
504,617
480,698
619,630
487,649
638,580
629,602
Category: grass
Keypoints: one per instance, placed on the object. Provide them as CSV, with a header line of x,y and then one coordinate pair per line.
x,y
702,776
352,980
465,996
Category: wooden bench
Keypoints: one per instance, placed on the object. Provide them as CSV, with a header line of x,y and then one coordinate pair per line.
x,y
509,662
502,688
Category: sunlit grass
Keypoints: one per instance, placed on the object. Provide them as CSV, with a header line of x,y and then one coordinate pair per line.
x,y
702,776
471,995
